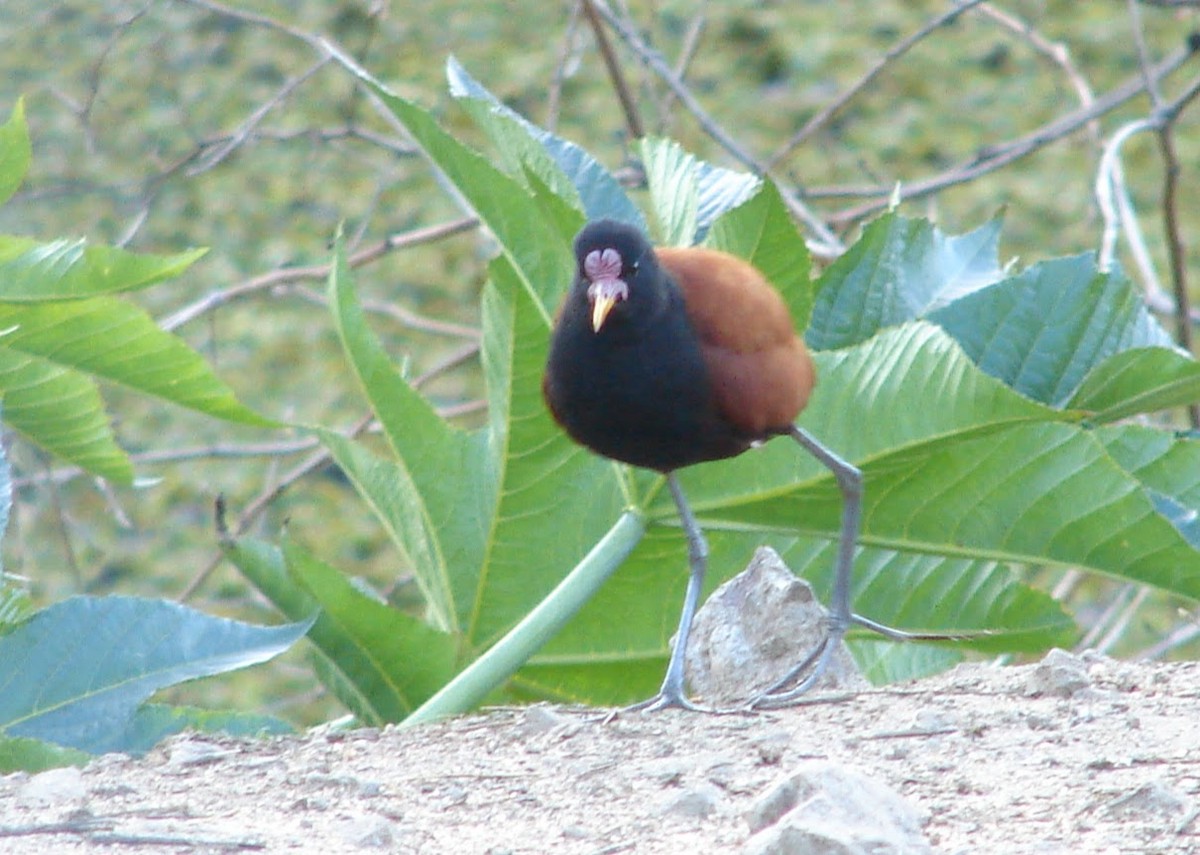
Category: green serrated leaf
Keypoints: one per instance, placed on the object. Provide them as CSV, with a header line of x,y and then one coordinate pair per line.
x,y
899,270
262,563
761,231
572,174
688,194
1025,493
393,661
15,152
1139,380
31,271
718,191
671,176
117,341
76,672
1167,467
1044,329
438,522
61,411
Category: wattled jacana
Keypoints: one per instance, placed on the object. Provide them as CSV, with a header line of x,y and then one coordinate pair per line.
x,y
669,357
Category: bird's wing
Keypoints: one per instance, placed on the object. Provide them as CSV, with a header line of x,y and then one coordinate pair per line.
x,y
759,368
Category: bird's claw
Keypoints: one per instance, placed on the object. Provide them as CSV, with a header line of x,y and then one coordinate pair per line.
x,y
665,700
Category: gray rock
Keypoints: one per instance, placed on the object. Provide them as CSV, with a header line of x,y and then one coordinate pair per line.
x,y
54,786
1060,674
695,802
1151,800
825,809
757,627
366,832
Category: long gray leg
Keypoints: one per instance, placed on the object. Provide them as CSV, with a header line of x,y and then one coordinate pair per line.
x,y
849,480
671,694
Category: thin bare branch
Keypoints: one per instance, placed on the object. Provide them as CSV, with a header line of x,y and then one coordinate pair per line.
x,y
1139,40
566,53
893,53
687,52
1002,155
289,275
1109,186
239,137
830,243
632,120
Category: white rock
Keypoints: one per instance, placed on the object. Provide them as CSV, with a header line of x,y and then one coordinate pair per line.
x,y
825,809
754,629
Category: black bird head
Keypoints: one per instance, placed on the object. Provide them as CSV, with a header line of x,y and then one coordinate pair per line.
x,y
615,264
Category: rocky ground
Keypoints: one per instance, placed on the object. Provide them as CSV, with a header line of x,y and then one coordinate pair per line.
x,y
1074,755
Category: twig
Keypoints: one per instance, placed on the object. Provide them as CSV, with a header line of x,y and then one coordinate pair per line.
x,y
687,52
1109,186
238,137
289,275
893,53
1139,40
830,243
321,457
1000,156
565,52
632,120
1056,52
403,316
1176,251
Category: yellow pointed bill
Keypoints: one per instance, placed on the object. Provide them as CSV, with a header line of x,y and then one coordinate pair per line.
x,y
601,306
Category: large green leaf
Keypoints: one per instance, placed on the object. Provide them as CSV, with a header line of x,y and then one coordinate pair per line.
x,y
395,661
564,167
31,271
76,672
61,411
899,270
51,353
1044,329
671,175
438,522
1139,380
761,231
119,342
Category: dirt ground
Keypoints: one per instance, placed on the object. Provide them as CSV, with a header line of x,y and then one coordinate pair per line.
x,y
1069,756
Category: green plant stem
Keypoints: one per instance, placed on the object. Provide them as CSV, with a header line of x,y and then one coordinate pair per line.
x,y
512,651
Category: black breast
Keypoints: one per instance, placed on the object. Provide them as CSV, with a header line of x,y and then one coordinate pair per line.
x,y
637,391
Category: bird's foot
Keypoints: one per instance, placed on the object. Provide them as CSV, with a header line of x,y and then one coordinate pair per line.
x,y
671,698
812,668
665,699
